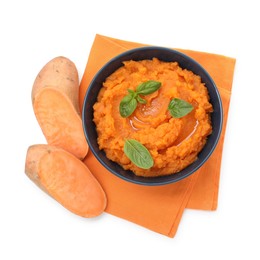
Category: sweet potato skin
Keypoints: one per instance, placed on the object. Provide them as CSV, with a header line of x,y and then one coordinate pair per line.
x,y
68,181
60,73
34,153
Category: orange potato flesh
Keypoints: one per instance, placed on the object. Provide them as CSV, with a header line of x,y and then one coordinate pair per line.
x,y
60,123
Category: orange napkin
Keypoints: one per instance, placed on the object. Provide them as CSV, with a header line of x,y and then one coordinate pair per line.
x,y
159,208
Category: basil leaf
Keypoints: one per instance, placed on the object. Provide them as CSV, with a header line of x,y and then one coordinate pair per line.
x,y
138,154
127,105
148,87
179,108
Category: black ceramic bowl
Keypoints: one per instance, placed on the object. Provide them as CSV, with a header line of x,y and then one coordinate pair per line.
x,y
163,54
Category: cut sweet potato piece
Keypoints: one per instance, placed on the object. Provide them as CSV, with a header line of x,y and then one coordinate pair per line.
x,y
55,103
65,178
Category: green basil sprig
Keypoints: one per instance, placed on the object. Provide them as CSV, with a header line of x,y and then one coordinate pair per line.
x,y
179,108
138,154
129,103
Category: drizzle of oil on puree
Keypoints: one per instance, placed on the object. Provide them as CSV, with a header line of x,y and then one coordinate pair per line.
x,y
173,142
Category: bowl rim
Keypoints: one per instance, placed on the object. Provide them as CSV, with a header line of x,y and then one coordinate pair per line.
x,y
161,180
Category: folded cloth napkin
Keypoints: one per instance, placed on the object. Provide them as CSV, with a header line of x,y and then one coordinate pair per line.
x,y
160,208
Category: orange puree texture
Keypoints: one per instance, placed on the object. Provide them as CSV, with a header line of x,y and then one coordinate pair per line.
x,y
174,143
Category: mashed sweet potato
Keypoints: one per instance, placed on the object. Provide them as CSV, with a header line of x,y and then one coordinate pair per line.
x,y
174,143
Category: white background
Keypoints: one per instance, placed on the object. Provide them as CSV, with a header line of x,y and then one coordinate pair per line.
x,y
32,225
